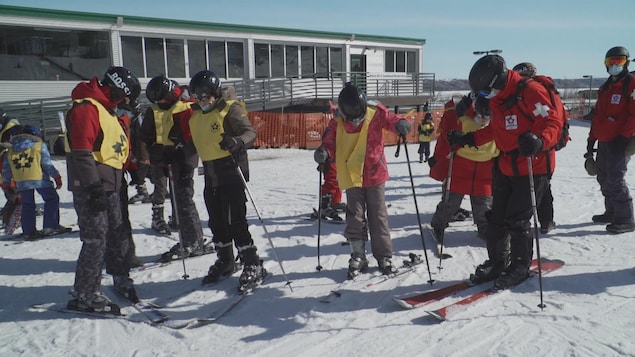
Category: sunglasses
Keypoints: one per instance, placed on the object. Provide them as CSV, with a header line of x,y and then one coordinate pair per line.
x,y
615,61
487,94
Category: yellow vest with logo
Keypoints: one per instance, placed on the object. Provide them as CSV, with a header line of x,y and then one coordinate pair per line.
x,y
207,130
164,121
425,127
484,152
114,147
26,165
350,154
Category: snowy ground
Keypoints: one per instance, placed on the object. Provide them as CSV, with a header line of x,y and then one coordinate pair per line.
x,y
590,303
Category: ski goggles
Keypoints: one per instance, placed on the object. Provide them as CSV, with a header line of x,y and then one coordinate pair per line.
x,y
201,96
487,94
615,61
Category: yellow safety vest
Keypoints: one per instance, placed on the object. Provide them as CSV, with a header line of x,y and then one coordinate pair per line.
x,y
350,153
114,147
164,121
484,152
26,165
425,127
207,130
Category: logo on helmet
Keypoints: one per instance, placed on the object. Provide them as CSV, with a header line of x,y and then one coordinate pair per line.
x,y
119,82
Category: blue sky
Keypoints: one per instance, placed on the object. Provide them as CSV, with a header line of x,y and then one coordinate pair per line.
x,y
563,38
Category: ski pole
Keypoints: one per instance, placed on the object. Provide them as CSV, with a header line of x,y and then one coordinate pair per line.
x,y
446,198
175,213
414,196
320,168
532,189
264,227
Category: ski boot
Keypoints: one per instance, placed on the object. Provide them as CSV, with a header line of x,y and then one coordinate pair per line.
x,y
141,196
358,263
158,223
516,273
253,272
224,266
95,302
123,286
386,267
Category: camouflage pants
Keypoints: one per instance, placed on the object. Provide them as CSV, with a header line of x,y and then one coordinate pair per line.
x,y
189,219
102,242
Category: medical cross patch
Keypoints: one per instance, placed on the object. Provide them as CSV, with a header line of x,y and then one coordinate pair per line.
x,y
541,109
615,98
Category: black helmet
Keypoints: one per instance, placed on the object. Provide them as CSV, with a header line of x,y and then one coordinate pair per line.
x,y
205,84
352,103
618,51
525,69
159,88
481,106
427,117
122,82
488,72
4,118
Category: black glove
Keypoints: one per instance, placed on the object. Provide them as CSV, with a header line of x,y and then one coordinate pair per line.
x,y
232,144
432,161
97,199
630,147
320,155
590,167
589,149
403,127
463,105
457,137
529,144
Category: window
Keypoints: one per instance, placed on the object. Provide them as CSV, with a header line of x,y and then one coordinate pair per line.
x,y
235,60
277,61
322,62
261,54
132,51
400,61
307,61
389,61
53,54
155,60
291,61
337,63
176,58
217,58
411,62
196,56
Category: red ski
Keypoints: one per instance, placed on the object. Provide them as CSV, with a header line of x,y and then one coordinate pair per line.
x,y
428,297
443,313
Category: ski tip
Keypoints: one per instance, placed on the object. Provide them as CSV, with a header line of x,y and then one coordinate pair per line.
x,y
437,315
403,304
445,256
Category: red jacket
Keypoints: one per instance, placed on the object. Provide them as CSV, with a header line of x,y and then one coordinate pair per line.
x,y
468,177
614,112
375,166
508,123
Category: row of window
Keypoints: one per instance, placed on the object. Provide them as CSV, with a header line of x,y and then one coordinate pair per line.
x,y
28,53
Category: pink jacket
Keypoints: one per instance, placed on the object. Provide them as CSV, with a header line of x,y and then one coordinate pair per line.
x,y
375,166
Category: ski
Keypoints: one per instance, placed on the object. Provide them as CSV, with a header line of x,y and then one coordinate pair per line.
x,y
367,281
330,216
447,311
56,307
15,220
20,238
419,300
147,309
228,304
437,244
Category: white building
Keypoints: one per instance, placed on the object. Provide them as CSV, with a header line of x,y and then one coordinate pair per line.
x,y
44,53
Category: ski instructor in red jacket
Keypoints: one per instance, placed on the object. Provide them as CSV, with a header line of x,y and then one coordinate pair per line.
x,y
522,129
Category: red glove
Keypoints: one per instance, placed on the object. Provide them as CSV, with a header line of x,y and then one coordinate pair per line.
x,y
58,182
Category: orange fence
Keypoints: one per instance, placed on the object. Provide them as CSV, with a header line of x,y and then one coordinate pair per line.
x,y
304,130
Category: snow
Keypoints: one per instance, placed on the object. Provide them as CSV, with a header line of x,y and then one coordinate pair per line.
x,y
590,302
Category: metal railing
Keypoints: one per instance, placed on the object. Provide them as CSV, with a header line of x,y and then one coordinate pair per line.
x,y
259,94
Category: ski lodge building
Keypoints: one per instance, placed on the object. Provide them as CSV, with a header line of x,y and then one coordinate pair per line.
x,y
44,53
